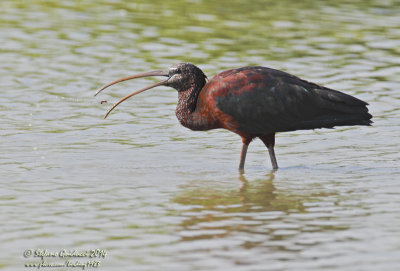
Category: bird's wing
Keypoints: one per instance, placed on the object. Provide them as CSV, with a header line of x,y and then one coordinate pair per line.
x,y
262,100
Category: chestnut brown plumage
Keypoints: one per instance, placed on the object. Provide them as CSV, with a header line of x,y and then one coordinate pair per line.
x,y
254,102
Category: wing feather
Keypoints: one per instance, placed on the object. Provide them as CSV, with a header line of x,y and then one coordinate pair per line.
x,y
263,100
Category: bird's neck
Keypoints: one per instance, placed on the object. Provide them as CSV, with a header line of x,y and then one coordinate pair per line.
x,y
187,112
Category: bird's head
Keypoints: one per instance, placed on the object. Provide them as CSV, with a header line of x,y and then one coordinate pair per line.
x,y
182,77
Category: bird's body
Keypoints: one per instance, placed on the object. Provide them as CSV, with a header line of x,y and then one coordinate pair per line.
x,y
257,102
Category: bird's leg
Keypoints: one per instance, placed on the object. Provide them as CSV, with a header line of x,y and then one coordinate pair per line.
x,y
246,142
269,141
243,156
273,157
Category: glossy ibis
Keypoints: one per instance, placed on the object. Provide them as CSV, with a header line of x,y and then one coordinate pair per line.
x,y
254,102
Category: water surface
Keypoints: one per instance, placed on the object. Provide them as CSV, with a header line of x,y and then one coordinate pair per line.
x,y
157,196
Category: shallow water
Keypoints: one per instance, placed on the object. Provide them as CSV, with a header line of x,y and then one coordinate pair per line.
x,y
156,196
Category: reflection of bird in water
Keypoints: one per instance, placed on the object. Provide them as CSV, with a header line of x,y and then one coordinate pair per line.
x,y
260,193
235,213
270,177
257,214
254,196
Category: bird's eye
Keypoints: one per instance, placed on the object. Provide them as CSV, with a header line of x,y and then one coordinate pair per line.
x,y
173,71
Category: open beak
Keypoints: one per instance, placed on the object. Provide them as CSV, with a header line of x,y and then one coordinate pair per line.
x,y
146,74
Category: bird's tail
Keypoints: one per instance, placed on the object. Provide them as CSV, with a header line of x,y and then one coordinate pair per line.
x,y
345,109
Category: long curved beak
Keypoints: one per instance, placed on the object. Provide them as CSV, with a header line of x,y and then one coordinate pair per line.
x,y
146,74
